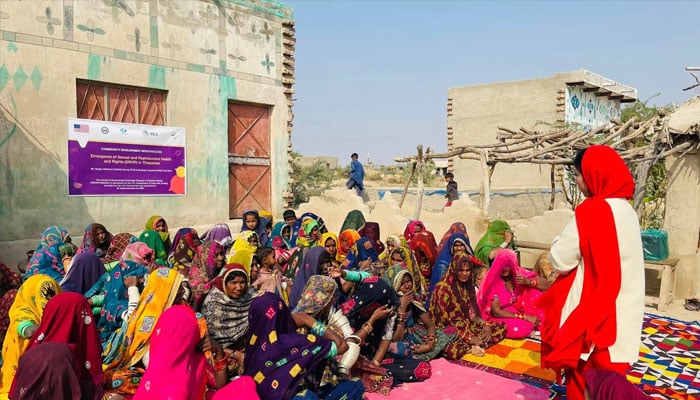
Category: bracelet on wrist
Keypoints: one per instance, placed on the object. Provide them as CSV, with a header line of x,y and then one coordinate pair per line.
x,y
318,328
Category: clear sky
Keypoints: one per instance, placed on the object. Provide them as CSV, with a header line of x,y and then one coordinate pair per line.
x,y
372,76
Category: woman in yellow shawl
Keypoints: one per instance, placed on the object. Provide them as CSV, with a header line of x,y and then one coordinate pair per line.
x,y
25,316
125,360
243,250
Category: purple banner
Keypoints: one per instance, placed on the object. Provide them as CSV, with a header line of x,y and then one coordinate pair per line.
x,y
119,169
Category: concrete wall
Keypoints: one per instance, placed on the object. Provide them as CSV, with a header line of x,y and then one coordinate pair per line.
x,y
475,112
204,53
478,110
682,221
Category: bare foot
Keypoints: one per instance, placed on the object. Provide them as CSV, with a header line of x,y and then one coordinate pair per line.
x,y
477,351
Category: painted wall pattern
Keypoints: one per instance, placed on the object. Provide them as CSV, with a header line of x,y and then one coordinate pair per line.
x,y
204,52
587,109
223,37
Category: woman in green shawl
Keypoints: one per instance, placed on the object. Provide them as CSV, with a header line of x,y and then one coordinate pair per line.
x,y
158,224
354,220
498,236
154,240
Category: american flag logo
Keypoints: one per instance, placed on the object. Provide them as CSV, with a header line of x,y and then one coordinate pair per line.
x,y
81,128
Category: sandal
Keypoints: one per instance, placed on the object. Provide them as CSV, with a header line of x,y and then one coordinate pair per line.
x,y
692,304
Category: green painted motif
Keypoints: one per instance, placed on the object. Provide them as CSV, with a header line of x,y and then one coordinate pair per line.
x,y
154,31
13,130
36,78
4,77
267,63
19,78
120,54
195,67
156,77
228,91
12,46
94,67
273,7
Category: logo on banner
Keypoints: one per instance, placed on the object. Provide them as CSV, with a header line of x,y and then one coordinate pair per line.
x,y
81,128
104,130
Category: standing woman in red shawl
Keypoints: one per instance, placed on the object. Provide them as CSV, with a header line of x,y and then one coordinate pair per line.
x,y
594,310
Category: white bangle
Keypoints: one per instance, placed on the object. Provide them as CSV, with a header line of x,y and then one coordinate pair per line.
x,y
503,245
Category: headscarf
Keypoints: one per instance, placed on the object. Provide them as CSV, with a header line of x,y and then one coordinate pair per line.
x,y
184,245
369,295
243,387
457,227
494,236
361,251
242,251
347,239
227,317
493,281
116,248
319,291
176,370
47,256
451,301
164,236
85,270
610,385
48,372
116,300
154,242
446,255
220,233
90,245
277,357
29,305
260,229
393,276
68,319
355,220
160,292
410,230
203,270
277,238
265,214
296,227
305,238
425,244
397,240
325,237
593,321
310,267
371,231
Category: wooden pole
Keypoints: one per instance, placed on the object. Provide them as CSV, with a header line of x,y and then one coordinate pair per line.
x,y
421,187
553,187
408,182
485,182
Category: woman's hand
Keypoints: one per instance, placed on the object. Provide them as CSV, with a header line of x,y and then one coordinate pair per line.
x,y
522,280
405,301
303,320
380,313
131,281
335,271
209,344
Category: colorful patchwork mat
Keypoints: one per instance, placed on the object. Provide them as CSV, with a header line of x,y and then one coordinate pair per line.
x,y
519,357
669,359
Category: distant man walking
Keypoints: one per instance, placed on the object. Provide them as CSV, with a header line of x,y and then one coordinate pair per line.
x,y
356,176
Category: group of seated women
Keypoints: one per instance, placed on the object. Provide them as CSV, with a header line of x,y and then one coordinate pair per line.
x,y
286,310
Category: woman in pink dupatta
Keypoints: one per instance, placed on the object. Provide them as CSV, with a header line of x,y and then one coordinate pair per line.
x,y
176,370
508,295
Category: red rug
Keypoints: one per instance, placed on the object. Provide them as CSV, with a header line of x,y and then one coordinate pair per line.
x,y
450,381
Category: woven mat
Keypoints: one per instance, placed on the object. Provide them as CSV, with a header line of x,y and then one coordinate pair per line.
x,y
669,359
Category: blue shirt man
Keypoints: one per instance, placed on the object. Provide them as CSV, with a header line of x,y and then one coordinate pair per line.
x,y
356,176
